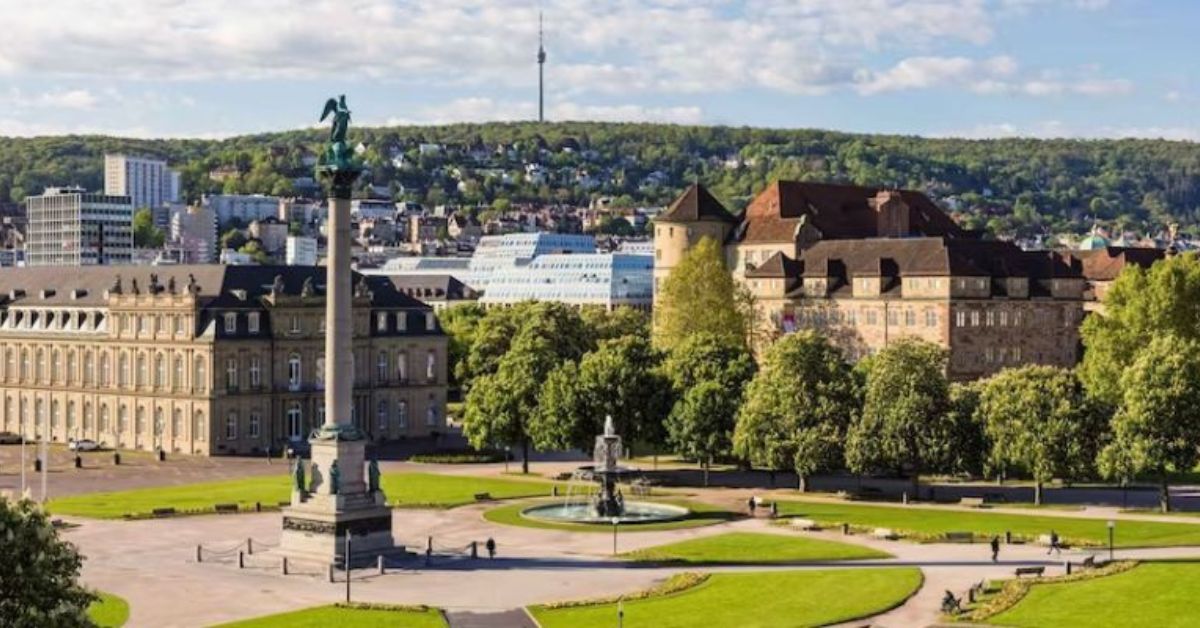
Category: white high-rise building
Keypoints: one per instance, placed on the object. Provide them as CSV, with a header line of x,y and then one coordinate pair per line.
x,y
301,251
194,231
243,207
148,182
71,227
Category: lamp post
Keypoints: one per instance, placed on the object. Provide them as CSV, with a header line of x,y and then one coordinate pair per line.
x,y
616,521
507,455
1112,525
347,565
620,613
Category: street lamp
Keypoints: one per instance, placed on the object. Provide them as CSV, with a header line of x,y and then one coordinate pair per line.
x,y
620,613
1112,525
507,455
616,521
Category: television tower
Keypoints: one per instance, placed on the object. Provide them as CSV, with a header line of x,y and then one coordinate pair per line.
x,y
541,73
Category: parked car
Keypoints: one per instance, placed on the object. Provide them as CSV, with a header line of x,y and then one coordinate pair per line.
x,y
83,444
8,438
298,447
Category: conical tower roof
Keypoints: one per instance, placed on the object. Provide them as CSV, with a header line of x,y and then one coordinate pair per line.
x,y
697,203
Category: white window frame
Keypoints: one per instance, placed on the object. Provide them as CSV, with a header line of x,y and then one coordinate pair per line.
x,y
252,322
231,425
295,372
255,424
402,414
255,371
231,374
381,319
231,322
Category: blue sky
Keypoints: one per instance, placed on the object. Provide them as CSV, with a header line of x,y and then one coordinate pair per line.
x,y
974,68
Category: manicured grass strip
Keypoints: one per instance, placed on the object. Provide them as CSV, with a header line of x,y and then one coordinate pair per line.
x,y
753,548
774,599
407,490
109,611
931,523
701,515
343,617
1151,595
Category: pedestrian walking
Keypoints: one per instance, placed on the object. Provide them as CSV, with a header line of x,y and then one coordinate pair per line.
x,y
1054,546
491,547
752,504
995,548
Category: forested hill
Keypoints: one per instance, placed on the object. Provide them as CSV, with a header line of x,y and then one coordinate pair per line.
x,y
1009,186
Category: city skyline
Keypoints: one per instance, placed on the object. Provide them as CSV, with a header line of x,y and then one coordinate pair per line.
x,y
972,68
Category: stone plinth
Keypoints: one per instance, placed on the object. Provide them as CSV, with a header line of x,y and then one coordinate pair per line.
x,y
315,525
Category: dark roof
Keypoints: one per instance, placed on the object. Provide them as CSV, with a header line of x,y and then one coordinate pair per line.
x,y
696,203
432,287
836,211
911,257
1106,263
215,284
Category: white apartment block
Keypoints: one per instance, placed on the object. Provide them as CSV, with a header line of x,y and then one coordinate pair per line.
x,y
245,207
607,280
148,182
194,231
71,227
301,251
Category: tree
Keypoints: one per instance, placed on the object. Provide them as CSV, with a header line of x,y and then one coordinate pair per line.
x,y
621,321
254,249
460,323
701,423
619,379
501,401
969,446
233,239
40,585
798,407
1157,425
1140,306
708,357
902,425
1039,420
698,296
145,234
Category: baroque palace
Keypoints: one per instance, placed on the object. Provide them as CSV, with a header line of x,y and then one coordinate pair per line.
x,y
867,266
207,359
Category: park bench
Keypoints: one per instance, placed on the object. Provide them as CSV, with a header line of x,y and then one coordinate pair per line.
x,y
971,502
564,476
951,605
223,509
1089,562
805,524
483,497
958,537
163,512
1028,571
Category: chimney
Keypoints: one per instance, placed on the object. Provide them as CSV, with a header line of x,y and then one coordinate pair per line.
x,y
891,215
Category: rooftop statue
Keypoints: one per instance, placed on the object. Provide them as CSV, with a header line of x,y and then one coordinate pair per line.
x,y
338,163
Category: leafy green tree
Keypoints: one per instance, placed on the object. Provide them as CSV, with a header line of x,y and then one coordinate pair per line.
x,y
1140,306
708,357
969,446
621,321
1157,425
698,296
798,407
233,239
702,422
1039,420
254,249
620,379
902,425
460,324
145,234
39,580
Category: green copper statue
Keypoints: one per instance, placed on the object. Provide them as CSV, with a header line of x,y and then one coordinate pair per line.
x,y
338,164
298,474
335,477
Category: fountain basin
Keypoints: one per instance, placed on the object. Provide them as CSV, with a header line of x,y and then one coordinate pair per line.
x,y
635,512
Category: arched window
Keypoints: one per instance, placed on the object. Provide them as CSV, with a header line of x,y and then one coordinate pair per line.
x,y
382,417
123,370
382,366
25,372
160,371
56,374
71,417
199,431
177,423
105,426
141,370
55,417
41,365
402,367
294,372
140,425
294,418
122,420
178,383
201,379
402,414
89,372
10,366
70,378
159,424
319,375
105,371
87,417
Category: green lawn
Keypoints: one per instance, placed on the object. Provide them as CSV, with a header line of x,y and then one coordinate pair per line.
x,y
325,616
109,611
775,599
1151,595
931,523
402,489
751,547
701,515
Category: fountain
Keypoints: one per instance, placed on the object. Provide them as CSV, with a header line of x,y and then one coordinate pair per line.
x,y
602,501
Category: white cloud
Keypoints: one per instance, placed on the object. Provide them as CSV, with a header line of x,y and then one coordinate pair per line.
x,y
1052,129
79,99
480,109
996,75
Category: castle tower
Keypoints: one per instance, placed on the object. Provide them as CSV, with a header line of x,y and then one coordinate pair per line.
x,y
694,215
541,59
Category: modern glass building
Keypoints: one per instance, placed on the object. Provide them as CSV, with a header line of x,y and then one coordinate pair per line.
x,y
71,227
608,280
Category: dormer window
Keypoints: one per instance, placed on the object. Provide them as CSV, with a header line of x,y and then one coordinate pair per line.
x,y
381,321
230,323
430,321
252,322
294,327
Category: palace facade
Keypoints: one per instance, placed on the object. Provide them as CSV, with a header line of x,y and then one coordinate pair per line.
x,y
207,359
867,266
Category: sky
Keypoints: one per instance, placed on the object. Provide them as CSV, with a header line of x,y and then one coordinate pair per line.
x,y
964,68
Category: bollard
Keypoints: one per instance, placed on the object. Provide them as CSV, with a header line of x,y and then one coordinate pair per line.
x,y
249,545
1068,567
241,559
331,572
474,549
381,571
78,461
257,506
162,455
283,563
845,529
554,491
117,458
199,556
1008,537
904,498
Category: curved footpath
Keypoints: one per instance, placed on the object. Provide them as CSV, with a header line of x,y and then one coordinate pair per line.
x,y
151,563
